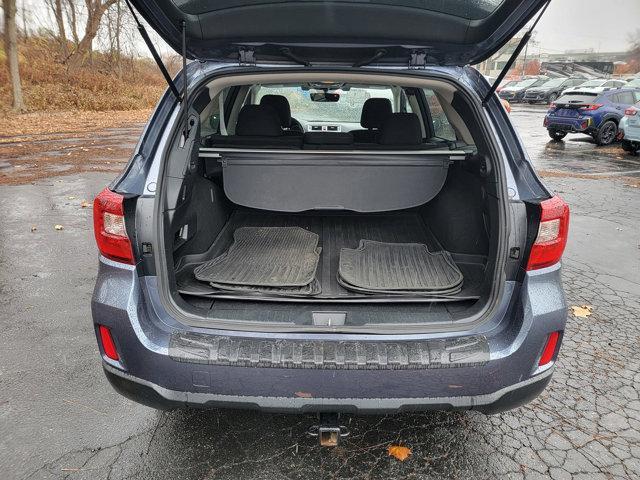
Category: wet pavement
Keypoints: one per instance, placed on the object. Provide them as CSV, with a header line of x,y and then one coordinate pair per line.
x,y
59,418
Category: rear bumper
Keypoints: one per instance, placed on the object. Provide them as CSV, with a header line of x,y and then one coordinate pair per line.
x,y
629,132
156,396
374,373
575,125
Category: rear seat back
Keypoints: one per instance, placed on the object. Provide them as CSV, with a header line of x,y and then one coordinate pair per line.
x,y
401,131
258,126
374,113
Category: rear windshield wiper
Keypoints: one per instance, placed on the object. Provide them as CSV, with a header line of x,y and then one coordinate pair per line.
x,y
286,51
366,61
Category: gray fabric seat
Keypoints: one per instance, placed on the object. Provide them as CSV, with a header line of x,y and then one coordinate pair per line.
x,y
374,113
258,126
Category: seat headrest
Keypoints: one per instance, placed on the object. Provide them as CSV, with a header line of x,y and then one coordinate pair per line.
x,y
258,121
281,105
401,129
374,112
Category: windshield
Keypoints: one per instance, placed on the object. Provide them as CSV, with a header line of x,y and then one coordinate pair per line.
x,y
577,97
556,82
527,83
592,83
347,109
635,83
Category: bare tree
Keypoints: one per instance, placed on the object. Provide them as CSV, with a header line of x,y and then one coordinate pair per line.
x,y
113,26
58,13
95,12
11,50
72,18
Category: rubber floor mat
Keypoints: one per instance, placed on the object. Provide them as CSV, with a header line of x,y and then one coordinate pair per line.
x,y
429,293
307,290
265,257
379,267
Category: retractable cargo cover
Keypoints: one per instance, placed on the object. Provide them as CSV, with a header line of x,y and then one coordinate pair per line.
x,y
289,181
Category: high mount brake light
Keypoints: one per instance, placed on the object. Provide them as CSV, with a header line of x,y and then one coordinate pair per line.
x,y
552,234
109,227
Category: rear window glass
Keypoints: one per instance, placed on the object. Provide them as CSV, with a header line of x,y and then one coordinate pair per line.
x,y
347,109
626,98
441,126
469,9
577,97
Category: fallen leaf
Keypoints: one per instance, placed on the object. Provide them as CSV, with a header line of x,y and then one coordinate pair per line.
x,y
399,452
33,228
85,204
582,311
71,197
303,395
58,227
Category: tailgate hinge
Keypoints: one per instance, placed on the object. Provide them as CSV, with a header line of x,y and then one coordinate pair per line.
x,y
246,57
418,59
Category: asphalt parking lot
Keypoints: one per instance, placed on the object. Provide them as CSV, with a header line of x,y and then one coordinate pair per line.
x,y
59,418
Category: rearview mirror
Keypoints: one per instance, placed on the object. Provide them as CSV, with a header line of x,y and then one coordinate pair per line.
x,y
324,97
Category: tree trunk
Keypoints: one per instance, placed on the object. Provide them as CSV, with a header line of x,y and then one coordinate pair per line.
x,y
11,50
73,21
62,33
95,11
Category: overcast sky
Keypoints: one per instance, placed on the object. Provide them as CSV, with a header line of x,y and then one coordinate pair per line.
x,y
603,25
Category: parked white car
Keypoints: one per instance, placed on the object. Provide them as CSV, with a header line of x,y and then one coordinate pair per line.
x,y
629,129
597,85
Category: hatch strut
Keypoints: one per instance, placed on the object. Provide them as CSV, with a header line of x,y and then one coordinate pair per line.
x,y
514,55
154,52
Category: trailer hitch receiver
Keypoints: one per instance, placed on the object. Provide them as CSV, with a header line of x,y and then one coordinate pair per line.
x,y
328,430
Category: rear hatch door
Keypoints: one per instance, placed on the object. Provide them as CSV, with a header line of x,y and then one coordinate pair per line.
x,y
448,32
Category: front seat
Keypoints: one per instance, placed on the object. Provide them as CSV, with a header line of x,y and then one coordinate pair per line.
x,y
374,112
290,125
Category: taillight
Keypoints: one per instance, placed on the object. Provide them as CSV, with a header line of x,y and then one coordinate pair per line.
x,y
108,345
591,107
552,234
549,349
109,227
631,111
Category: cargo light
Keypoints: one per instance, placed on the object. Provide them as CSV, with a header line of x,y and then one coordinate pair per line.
x,y
109,227
552,234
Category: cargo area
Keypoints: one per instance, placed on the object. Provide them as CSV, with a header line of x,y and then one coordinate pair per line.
x,y
385,212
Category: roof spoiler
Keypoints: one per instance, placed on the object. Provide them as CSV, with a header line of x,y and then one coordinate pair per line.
x,y
514,55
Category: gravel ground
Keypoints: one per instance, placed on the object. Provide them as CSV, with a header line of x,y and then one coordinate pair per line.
x,y
59,418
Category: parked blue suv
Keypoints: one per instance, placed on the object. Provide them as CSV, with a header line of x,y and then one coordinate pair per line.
x,y
592,113
311,222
